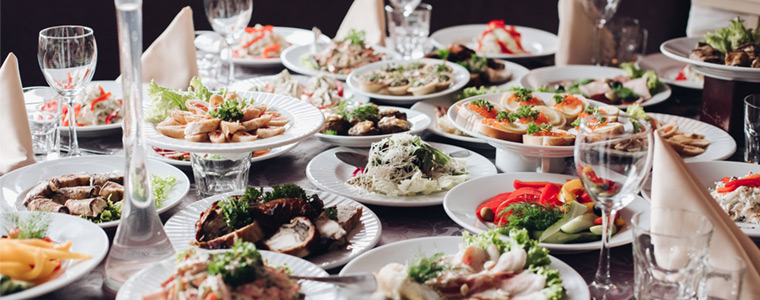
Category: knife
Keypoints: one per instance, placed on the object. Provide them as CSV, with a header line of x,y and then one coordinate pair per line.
x,y
352,158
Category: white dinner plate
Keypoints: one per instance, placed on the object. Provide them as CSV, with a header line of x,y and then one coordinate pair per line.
x,y
148,280
291,58
709,172
305,121
261,81
210,41
428,107
85,237
679,49
548,75
667,69
405,251
34,97
461,77
328,173
462,202
722,145
535,41
417,123
180,229
275,152
15,185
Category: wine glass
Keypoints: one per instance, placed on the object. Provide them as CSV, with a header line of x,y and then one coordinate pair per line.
x,y
613,155
600,12
67,56
407,5
229,18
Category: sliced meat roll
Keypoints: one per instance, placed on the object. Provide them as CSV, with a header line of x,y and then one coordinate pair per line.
x,y
254,124
69,180
202,126
263,133
89,207
103,178
77,192
217,137
172,131
112,191
230,128
242,136
46,204
251,112
41,190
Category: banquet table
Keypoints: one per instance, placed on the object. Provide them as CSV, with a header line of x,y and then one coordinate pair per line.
x,y
397,223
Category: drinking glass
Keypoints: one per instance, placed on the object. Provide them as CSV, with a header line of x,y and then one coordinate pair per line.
x,y
43,106
613,155
229,18
208,46
600,12
409,30
216,174
723,277
67,56
669,246
406,5
629,41
751,128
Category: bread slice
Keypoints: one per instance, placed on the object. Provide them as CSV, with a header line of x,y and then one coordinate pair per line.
x,y
500,130
562,138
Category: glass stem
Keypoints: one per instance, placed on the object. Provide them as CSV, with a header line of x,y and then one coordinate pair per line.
x,y
602,276
596,47
231,75
73,141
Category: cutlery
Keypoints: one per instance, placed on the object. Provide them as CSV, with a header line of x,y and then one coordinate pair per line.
x,y
359,282
360,160
91,151
317,35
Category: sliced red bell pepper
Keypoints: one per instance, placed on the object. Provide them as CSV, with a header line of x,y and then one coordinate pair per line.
x,y
533,184
525,194
493,204
749,181
725,179
102,98
112,116
273,48
582,196
550,195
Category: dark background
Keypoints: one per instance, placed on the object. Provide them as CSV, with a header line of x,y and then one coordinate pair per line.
x,y
21,21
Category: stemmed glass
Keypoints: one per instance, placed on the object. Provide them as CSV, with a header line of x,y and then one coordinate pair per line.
x,y
407,5
229,18
67,56
613,155
600,12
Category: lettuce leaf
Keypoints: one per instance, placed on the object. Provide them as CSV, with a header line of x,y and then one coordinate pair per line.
x,y
653,82
163,100
727,38
630,70
553,289
518,238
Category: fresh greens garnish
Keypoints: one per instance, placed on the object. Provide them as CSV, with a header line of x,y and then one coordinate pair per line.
x,y
503,115
112,212
533,128
522,94
426,268
160,187
477,91
236,211
288,190
228,111
653,82
252,194
240,265
441,68
727,38
483,103
559,98
576,123
32,227
443,53
331,132
165,99
10,286
526,111
630,70
532,216
364,112
332,213
624,93
356,37
517,238
428,157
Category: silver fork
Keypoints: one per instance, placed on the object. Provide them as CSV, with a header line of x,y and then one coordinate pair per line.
x,y
359,282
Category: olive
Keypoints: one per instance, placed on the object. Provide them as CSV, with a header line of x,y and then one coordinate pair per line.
x,y
560,89
615,84
611,96
597,210
486,213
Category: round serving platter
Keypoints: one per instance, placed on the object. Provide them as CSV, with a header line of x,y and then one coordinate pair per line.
x,y
291,58
536,42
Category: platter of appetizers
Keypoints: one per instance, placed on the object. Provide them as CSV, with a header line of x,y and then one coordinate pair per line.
x,y
322,91
88,187
323,228
498,40
441,267
672,71
483,70
359,125
404,82
43,252
554,208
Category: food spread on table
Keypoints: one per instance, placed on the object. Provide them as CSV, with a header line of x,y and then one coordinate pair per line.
x,y
734,45
341,57
239,273
500,39
199,115
551,212
404,165
739,197
485,267
28,257
93,107
688,74
95,197
633,86
321,91
284,220
354,119
482,70
414,78
685,143
260,42
523,117
185,156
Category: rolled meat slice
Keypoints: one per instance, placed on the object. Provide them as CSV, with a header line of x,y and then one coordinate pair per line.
x,y
217,137
254,124
90,207
77,192
242,136
263,133
46,204
69,180
201,126
41,190
102,178
112,191
251,112
172,131
229,128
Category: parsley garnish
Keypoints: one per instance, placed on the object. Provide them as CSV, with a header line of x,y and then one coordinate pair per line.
x,y
228,111
533,128
522,94
332,213
483,103
356,37
559,98
532,216
32,227
576,123
443,53
331,132
236,211
240,265
426,268
526,111
503,115
364,112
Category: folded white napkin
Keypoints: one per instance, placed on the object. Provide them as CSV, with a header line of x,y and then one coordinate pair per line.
x,y
17,148
170,60
367,15
674,186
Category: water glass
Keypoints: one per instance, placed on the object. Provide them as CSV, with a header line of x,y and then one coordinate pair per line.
x,y
229,18
669,247
217,174
43,122
751,128
409,30
723,277
626,41
208,46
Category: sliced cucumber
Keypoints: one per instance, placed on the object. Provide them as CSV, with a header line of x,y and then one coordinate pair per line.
x,y
560,237
536,234
597,229
579,223
575,209
585,237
